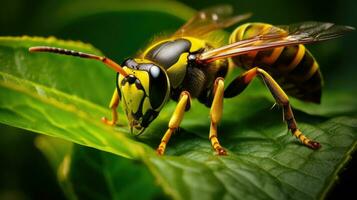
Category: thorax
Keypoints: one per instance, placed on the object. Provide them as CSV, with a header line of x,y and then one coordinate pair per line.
x,y
177,57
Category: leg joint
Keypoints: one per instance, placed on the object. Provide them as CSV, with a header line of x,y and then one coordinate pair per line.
x,y
188,103
217,83
261,71
218,80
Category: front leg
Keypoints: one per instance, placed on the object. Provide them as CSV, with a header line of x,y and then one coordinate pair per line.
x,y
175,120
113,106
216,115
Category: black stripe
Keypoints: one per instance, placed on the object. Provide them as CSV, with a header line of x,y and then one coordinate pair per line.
x,y
303,68
117,84
258,60
314,83
286,57
235,87
312,88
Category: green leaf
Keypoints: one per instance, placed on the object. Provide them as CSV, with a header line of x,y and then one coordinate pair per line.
x,y
87,173
264,161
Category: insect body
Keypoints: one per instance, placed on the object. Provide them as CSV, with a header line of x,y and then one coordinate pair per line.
x,y
190,64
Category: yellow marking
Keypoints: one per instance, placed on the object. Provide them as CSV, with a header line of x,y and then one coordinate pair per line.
x,y
143,76
242,31
142,60
256,29
297,59
265,28
238,33
196,44
132,95
146,105
177,71
115,99
232,37
269,60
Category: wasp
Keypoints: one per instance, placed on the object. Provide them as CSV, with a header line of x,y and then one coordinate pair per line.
x,y
191,64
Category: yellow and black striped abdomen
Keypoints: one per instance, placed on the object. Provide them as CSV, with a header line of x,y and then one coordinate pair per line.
x,y
293,67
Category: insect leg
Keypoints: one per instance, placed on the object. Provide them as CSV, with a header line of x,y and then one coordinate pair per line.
x,y
113,105
216,114
241,82
175,120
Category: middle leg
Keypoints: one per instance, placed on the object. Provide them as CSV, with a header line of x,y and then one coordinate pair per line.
x,y
216,115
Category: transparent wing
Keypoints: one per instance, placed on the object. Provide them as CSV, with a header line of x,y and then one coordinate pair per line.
x,y
278,36
319,31
210,19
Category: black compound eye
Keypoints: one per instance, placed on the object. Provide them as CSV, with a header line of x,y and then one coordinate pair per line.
x,y
158,86
138,84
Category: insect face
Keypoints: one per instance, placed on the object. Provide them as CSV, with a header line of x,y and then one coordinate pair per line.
x,y
144,92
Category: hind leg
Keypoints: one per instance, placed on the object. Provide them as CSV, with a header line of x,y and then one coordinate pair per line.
x,y
242,81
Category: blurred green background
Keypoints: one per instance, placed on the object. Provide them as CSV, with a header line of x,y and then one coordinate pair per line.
x,y
24,171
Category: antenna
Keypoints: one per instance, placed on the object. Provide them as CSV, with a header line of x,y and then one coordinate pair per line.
x,y
110,63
